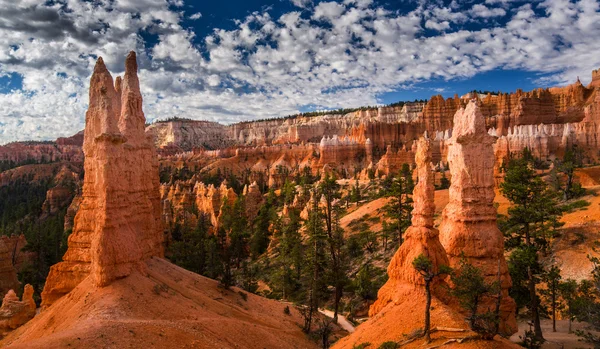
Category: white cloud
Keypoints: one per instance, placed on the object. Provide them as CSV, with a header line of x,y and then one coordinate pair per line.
x,y
439,26
483,11
333,55
301,3
328,10
196,16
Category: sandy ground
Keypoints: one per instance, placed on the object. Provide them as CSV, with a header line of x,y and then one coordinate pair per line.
x,y
399,320
372,209
556,340
167,308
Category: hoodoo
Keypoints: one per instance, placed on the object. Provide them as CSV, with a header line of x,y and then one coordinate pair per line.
x,y
420,238
118,224
469,228
113,288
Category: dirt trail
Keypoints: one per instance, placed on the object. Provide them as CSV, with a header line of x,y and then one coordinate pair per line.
x,y
342,321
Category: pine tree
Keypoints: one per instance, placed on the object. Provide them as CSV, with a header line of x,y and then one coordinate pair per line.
x,y
261,235
330,191
470,288
399,209
533,219
289,255
316,262
425,267
552,292
568,292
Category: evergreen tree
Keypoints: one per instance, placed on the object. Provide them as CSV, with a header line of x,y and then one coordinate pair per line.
x,y
400,206
261,236
552,292
355,193
189,246
586,306
289,256
330,191
470,288
316,262
533,219
568,292
424,266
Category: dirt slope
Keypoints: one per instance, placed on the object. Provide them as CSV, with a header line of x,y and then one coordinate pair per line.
x,y
168,308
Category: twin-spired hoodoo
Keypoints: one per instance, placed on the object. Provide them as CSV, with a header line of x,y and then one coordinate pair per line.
x,y
118,225
468,230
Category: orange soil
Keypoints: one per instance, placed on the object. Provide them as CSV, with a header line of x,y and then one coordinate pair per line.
x,y
561,339
401,318
372,209
168,308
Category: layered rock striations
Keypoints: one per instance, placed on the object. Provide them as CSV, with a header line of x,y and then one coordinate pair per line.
x,y
118,224
469,228
420,238
186,135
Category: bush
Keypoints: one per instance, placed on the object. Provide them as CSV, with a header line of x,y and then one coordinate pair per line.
x,y
389,345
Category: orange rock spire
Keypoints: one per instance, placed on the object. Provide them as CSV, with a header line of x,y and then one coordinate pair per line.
x,y
420,238
119,221
469,225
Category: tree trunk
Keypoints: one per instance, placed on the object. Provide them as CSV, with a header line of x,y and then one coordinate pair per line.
x,y
427,312
553,309
535,315
499,301
338,297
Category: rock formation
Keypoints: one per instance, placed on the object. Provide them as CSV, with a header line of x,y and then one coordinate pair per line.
x,y
15,312
420,238
186,134
252,200
469,227
8,273
118,224
595,79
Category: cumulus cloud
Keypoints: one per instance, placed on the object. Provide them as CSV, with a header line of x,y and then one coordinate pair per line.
x,y
301,3
196,16
479,10
335,54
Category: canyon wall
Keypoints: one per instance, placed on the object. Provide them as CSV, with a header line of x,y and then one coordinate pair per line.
x,y
547,121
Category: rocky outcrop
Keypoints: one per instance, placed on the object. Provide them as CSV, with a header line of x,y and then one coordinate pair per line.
x,y
18,257
56,199
15,312
8,273
118,224
595,79
252,200
420,238
186,134
469,229
41,152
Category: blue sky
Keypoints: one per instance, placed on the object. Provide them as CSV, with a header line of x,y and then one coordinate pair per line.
x,y
229,61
